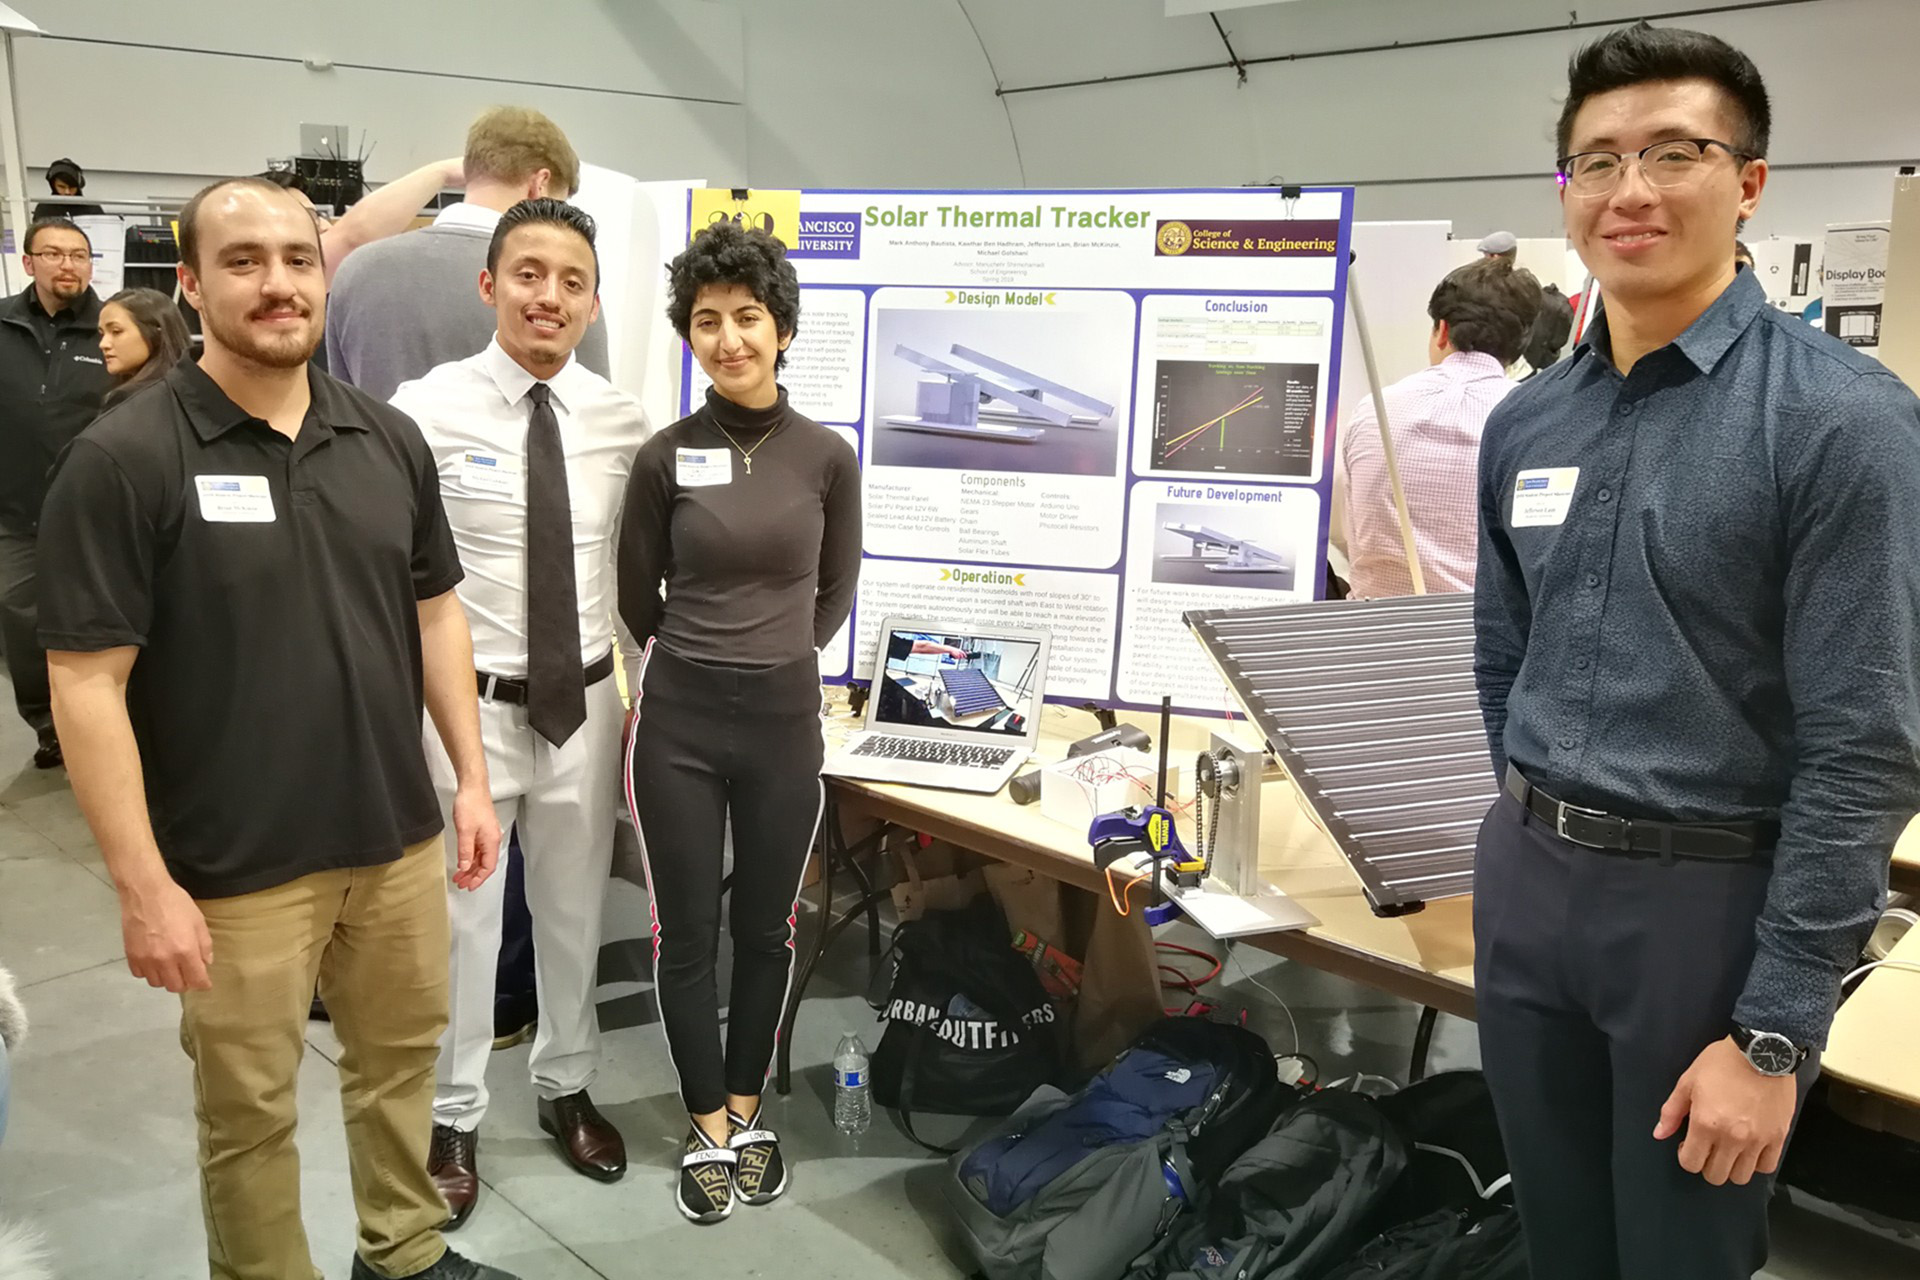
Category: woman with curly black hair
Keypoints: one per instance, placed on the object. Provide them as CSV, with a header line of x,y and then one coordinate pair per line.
x,y
749,514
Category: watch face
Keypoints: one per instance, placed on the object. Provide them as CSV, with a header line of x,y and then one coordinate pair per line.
x,y
1772,1055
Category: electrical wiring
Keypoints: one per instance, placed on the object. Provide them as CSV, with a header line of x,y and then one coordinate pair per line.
x,y
1120,900
1179,979
1233,955
1908,965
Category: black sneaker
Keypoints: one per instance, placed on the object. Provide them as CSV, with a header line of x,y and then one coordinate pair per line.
x,y
706,1179
48,755
450,1267
761,1174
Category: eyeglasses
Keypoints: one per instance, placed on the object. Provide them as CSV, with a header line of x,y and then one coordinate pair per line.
x,y
1592,174
53,257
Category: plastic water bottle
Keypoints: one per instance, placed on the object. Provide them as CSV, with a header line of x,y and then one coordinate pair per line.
x,y
852,1096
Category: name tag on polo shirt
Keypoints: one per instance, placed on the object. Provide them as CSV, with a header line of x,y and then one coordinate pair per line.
x,y
235,499
1543,496
694,468
490,473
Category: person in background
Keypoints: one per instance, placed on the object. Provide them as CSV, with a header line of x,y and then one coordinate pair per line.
x,y
52,382
1742,256
250,599
141,337
749,514
1551,329
1501,244
67,181
408,303
1482,314
1695,648
533,453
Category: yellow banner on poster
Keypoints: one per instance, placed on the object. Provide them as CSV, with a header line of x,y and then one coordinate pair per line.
x,y
775,212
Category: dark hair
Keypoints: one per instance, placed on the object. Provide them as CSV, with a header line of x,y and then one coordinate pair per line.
x,y
1642,53
1741,253
724,254
544,212
1551,329
55,224
1489,306
157,318
190,215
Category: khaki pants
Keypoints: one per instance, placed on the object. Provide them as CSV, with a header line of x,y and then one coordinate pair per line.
x,y
375,939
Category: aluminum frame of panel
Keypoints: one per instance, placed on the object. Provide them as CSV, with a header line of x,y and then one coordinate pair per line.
x,y
1371,708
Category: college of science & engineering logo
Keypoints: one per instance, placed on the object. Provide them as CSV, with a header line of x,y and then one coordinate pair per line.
x,y
1280,238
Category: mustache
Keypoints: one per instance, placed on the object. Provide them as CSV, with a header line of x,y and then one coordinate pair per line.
x,y
296,306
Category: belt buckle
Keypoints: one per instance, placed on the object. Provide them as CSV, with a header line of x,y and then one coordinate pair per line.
x,y
1597,815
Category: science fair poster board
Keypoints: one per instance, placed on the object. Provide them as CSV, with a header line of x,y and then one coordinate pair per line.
x,y
1084,411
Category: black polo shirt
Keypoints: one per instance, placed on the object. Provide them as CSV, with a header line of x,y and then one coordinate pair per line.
x,y
271,586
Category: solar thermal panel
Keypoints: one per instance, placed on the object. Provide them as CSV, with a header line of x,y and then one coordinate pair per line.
x,y
969,692
1370,707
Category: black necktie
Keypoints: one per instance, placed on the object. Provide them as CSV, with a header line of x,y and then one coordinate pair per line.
x,y
556,685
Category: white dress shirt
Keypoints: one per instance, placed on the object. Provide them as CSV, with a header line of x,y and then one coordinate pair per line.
x,y
1436,417
461,214
474,414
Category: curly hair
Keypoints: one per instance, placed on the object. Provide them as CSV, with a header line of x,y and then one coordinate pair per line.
x,y
725,254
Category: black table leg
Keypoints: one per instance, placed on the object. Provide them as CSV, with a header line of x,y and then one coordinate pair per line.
x,y
1422,1043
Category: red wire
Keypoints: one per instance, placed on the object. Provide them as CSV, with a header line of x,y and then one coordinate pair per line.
x,y
1180,980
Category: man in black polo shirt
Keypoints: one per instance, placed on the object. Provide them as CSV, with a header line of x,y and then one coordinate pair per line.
x,y
1696,608
52,381
249,594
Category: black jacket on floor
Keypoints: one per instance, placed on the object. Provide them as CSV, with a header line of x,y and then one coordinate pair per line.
x,y
52,380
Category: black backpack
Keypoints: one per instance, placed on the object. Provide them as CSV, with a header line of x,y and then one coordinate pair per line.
x,y
1075,1187
970,1030
1294,1204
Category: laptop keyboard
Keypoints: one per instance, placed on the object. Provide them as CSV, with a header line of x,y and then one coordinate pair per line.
x,y
965,754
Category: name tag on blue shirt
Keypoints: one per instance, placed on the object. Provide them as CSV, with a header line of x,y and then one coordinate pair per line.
x,y
1543,496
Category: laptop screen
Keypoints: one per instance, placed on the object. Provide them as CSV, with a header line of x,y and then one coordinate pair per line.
x,y
946,681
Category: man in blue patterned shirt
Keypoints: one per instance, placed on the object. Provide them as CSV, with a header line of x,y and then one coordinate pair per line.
x,y
1696,605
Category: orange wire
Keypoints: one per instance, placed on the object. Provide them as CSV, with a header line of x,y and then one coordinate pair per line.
x,y
1120,901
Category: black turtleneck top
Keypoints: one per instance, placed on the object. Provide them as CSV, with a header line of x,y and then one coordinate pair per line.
x,y
760,558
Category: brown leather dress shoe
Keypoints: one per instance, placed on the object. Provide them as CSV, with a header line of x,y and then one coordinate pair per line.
x,y
590,1142
453,1163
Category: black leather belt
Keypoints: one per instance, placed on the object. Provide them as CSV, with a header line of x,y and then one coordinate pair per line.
x,y
512,690
1595,829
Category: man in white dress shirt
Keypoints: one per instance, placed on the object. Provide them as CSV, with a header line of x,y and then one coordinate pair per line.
x,y
533,452
1482,314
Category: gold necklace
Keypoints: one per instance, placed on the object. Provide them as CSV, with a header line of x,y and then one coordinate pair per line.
x,y
746,455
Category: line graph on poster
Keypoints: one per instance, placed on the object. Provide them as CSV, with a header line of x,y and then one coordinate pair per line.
x,y
1233,416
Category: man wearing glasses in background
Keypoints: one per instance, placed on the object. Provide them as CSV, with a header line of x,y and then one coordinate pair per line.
x,y
1696,605
52,381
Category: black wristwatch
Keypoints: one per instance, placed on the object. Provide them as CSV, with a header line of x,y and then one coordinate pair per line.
x,y
1768,1052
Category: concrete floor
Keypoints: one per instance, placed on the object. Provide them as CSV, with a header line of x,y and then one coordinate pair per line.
x,y
100,1151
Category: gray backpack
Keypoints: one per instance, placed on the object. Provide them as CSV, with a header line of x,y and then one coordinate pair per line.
x,y
1075,1187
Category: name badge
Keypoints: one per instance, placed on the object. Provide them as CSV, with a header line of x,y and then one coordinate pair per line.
x,y
490,473
1542,497
695,468
235,499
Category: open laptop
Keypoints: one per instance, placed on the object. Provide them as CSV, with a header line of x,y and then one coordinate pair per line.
x,y
948,708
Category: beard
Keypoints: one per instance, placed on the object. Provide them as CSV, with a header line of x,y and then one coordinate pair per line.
x,y
287,350
66,290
